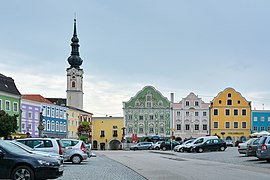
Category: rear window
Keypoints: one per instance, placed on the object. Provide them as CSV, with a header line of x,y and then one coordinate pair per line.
x,y
262,140
60,143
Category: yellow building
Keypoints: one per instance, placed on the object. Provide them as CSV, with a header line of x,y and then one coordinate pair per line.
x,y
107,132
230,115
75,118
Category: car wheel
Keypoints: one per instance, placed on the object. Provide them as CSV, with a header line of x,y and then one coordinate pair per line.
x,y
222,148
23,172
200,150
76,159
181,150
135,149
156,148
191,149
164,148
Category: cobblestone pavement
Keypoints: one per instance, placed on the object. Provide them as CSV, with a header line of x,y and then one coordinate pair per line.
x,y
99,168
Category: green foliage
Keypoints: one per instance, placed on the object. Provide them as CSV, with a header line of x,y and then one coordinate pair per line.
x,y
83,138
8,124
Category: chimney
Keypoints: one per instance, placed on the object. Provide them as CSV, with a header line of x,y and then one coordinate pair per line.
x,y
172,98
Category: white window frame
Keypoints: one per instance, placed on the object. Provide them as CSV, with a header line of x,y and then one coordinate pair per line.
x,y
1,104
48,125
15,104
57,126
8,105
52,126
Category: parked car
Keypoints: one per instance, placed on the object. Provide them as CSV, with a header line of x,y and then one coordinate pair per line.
x,y
242,147
229,143
252,147
141,146
211,145
16,163
180,147
156,145
88,151
263,149
31,150
168,145
75,150
190,147
45,144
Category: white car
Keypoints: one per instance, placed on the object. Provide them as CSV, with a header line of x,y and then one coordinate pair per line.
x,y
180,148
156,145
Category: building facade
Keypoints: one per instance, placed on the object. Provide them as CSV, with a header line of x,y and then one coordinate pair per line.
x,y
190,117
230,115
147,114
10,98
30,117
260,120
75,74
73,123
108,133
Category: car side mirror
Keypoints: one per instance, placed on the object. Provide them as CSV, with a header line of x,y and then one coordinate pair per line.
x,y
1,154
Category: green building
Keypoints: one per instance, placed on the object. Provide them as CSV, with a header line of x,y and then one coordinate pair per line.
x,y
10,98
147,114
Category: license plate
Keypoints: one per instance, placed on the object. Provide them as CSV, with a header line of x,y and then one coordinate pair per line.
x,y
61,168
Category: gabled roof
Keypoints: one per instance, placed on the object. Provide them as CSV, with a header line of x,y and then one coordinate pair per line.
x,y
8,85
36,97
77,109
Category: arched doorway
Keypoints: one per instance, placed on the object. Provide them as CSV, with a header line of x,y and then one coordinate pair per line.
x,y
229,138
115,144
243,139
95,145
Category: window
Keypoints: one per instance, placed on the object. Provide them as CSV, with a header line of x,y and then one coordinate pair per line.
x,y
129,117
72,123
115,127
229,102
7,105
162,129
238,101
48,111
204,113
178,127
130,130
204,127
262,118
52,112
151,117
30,115
140,117
235,124
61,114
187,113
162,117
262,128
187,127
61,127
0,104
44,123
255,128
255,118
140,129
268,119
196,113
229,95
187,103
64,127
52,126
196,103
197,127
115,133
56,113
215,112
219,101
148,104
244,112
227,112
215,124
15,106
151,129
23,114
244,125
235,112
23,126
36,115
48,125
57,126
73,84
227,125
178,113
102,133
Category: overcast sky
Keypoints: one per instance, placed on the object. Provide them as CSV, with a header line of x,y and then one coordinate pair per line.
x,y
176,46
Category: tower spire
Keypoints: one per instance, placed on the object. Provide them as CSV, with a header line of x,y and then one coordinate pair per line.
x,y
74,59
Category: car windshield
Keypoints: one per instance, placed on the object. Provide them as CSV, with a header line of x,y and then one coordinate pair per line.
x,y
12,148
22,145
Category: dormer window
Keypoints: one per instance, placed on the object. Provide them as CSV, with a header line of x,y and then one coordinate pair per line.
x,y
229,102
229,95
187,103
149,99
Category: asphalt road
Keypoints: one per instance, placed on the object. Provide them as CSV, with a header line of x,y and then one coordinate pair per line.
x,y
159,165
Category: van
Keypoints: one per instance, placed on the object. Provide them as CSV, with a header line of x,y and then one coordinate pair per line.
x,y
199,140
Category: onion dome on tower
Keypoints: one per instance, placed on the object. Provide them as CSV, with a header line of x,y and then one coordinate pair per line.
x,y
74,59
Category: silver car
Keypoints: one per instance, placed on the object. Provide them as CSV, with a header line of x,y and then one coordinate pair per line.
x,y
76,150
141,146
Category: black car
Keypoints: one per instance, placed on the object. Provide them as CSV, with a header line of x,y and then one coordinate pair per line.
x,y
16,163
167,145
211,145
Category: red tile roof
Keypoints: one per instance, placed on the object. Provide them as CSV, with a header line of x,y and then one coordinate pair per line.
x,y
36,97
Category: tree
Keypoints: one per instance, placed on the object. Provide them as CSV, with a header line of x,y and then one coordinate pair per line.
x,y
83,131
8,124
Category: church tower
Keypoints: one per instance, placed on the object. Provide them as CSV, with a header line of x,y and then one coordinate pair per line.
x,y
75,74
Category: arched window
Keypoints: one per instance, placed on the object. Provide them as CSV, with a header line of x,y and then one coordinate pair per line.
x,y
64,127
61,127
73,84
57,126
229,102
52,126
48,125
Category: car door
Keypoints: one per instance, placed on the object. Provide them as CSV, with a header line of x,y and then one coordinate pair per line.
x,y
5,165
207,145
